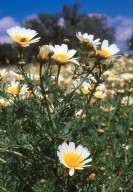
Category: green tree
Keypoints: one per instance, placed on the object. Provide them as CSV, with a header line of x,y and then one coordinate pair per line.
x,y
52,31
8,54
130,43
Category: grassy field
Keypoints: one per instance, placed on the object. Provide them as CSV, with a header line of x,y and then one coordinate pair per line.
x,y
45,111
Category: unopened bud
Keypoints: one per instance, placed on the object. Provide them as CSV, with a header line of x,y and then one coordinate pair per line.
x,y
21,62
100,130
92,177
130,129
66,41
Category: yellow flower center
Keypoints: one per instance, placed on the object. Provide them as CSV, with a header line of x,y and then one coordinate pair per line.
x,y
63,56
29,94
107,109
73,160
85,91
4,103
90,44
103,53
21,39
109,93
99,95
20,78
128,103
15,90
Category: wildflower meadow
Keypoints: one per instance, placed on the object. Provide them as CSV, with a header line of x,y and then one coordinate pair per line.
x,y
68,126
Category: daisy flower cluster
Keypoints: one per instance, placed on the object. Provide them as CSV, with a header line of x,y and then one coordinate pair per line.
x,y
65,119
104,52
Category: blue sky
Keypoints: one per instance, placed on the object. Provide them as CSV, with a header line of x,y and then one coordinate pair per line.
x,y
120,13
21,9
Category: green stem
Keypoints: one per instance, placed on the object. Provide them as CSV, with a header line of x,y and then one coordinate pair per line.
x,y
58,72
45,98
20,53
71,94
67,183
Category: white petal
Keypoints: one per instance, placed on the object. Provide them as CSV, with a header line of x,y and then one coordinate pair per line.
x,y
72,146
96,41
71,52
85,153
80,168
87,161
115,51
91,37
57,49
85,36
51,47
105,44
74,61
79,34
86,166
61,150
65,147
64,48
79,149
71,171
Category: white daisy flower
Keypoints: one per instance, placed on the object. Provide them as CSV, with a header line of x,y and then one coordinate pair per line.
x,y
33,77
22,37
73,158
18,76
86,87
70,69
16,89
106,50
4,102
100,94
78,113
110,93
62,55
88,39
107,108
126,77
101,87
3,72
127,101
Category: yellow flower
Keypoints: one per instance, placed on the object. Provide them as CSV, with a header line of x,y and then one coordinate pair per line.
x,y
101,87
34,77
99,94
73,158
16,89
110,93
4,102
62,55
107,108
86,87
106,50
18,76
22,37
29,94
